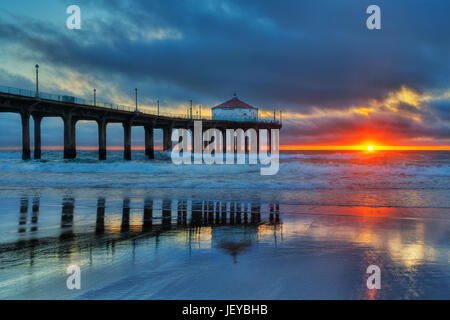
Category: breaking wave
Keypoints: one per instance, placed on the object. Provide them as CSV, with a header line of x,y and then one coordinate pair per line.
x,y
297,171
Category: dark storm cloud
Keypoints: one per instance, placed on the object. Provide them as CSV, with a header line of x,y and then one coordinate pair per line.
x,y
439,110
294,53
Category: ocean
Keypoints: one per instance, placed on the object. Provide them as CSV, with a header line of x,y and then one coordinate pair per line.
x,y
149,229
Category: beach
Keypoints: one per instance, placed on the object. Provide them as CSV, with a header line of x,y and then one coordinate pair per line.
x,y
149,229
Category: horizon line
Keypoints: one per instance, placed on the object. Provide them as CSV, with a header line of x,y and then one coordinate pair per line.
x,y
283,148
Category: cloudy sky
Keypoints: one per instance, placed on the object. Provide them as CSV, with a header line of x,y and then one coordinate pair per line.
x,y
337,82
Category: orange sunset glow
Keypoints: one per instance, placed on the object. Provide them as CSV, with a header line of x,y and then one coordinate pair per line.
x,y
282,147
363,147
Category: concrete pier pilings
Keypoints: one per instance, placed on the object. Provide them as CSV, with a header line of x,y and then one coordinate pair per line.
x,y
37,136
71,113
126,141
167,138
149,142
26,152
224,137
70,150
101,139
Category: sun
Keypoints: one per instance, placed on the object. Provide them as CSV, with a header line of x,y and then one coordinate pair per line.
x,y
370,148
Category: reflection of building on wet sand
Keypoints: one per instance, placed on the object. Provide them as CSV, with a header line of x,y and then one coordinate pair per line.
x,y
227,225
230,226
145,244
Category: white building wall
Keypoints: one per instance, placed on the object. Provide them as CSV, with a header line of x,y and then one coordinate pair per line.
x,y
235,114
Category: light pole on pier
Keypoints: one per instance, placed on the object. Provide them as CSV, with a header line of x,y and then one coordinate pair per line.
x,y
136,100
37,80
158,106
95,97
190,110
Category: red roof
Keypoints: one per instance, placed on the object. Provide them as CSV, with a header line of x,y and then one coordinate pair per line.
x,y
235,103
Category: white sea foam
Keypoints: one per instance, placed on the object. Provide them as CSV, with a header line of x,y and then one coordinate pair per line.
x,y
297,171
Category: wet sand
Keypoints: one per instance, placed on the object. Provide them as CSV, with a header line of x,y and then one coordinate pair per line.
x,y
181,244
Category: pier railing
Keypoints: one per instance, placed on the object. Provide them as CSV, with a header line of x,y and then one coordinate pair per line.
x,y
81,101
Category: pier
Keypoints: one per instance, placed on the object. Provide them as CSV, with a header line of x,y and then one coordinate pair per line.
x,y
34,106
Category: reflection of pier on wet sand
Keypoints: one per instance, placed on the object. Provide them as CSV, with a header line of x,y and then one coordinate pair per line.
x,y
159,247
158,217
